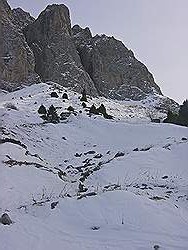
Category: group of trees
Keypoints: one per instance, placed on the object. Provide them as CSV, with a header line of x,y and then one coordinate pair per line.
x,y
181,118
49,115
54,94
101,110
93,110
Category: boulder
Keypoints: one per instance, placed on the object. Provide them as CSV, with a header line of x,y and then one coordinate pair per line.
x,y
5,219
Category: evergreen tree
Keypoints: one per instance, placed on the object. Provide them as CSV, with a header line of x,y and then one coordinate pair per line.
x,y
52,115
84,105
171,118
54,94
42,110
65,96
183,114
70,108
93,110
107,116
83,97
102,109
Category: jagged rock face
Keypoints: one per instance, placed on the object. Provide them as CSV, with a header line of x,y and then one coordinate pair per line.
x,y
57,59
113,68
16,58
81,36
49,48
22,18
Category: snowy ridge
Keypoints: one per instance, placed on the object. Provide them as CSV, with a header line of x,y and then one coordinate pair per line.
x,y
90,182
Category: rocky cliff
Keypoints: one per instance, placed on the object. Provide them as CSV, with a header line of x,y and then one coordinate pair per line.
x,y
113,68
17,61
48,47
22,18
50,38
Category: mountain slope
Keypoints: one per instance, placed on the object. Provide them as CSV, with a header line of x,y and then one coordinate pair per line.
x,y
89,182
17,61
49,37
113,68
48,48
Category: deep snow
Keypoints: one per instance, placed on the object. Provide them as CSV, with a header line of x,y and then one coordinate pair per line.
x,y
133,201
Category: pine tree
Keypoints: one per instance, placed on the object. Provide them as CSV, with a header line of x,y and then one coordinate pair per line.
x,y
83,97
102,109
54,94
52,115
70,108
42,110
65,96
171,118
84,105
93,110
183,114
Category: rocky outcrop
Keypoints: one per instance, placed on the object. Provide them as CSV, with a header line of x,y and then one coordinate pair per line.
x,y
16,58
113,68
50,38
49,48
22,18
5,219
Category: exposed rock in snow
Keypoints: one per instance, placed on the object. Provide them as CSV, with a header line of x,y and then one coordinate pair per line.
x,y
5,219
88,182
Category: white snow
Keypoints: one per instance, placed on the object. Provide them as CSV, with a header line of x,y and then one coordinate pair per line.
x,y
136,200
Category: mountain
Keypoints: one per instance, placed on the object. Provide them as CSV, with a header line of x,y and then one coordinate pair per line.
x,y
22,18
17,60
85,160
56,56
49,49
88,182
113,68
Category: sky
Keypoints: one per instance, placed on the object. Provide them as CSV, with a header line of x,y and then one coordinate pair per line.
x,y
156,31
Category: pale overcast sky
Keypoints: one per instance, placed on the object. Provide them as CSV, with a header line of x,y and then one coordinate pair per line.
x,y
156,30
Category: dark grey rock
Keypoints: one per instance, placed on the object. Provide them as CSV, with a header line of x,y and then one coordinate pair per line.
x,y
135,149
64,115
98,156
184,139
49,48
22,18
54,204
16,58
119,154
113,68
90,152
57,60
5,219
156,247
78,155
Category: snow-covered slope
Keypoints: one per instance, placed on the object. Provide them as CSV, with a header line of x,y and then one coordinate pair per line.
x,y
90,182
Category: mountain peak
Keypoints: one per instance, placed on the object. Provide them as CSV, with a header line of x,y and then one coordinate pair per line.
x,y
74,58
57,60
57,18
22,18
